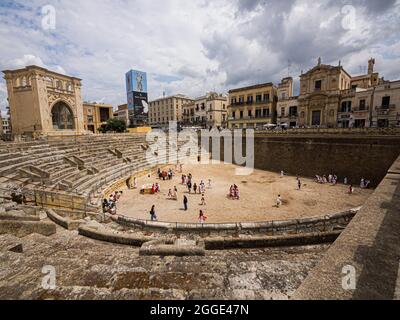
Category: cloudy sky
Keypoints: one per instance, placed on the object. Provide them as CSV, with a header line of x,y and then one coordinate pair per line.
x,y
195,46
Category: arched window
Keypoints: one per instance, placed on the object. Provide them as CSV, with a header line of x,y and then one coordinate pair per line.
x,y
62,115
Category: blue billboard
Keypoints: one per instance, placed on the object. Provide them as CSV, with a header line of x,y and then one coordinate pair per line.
x,y
136,90
136,81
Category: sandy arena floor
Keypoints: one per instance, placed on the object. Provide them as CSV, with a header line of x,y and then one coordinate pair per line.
x,y
258,193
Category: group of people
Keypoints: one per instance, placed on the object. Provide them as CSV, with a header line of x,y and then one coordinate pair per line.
x,y
234,192
173,195
155,188
185,179
165,174
110,205
332,179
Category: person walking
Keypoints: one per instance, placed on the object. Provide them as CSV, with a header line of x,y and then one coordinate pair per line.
x,y
203,200
153,216
299,184
202,217
185,203
279,201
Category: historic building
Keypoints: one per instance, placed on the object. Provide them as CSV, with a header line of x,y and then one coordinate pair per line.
x,y
44,102
166,109
6,129
188,114
386,105
331,97
95,114
207,111
319,96
253,106
355,108
122,113
287,106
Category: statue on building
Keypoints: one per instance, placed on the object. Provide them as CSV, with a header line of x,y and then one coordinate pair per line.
x,y
371,64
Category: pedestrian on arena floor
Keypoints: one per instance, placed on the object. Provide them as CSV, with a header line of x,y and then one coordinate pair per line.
x,y
203,200
153,215
185,203
279,201
202,217
299,184
195,188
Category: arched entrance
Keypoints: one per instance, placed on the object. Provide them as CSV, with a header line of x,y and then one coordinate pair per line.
x,y
63,118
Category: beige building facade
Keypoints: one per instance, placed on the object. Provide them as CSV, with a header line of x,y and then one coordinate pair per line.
x,y
287,105
43,102
386,105
320,95
95,114
252,107
122,113
331,97
166,109
208,111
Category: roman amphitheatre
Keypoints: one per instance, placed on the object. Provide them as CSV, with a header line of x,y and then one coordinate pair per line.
x,y
51,215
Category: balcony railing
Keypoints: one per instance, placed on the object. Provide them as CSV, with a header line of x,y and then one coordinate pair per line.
x,y
386,107
233,104
250,118
290,115
359,109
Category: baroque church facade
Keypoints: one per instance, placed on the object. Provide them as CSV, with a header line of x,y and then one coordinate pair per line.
x,y
44,102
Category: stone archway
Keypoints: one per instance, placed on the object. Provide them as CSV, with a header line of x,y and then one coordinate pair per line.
x,y
62,116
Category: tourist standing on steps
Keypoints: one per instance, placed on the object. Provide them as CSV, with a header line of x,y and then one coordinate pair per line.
x,y
185,203
153,215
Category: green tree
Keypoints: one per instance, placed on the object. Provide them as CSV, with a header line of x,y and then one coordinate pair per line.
x,y
113,125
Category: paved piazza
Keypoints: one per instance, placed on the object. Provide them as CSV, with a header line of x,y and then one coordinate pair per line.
x,y
258,194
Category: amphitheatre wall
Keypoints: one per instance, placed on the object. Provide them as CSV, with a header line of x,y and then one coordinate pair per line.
x,y
369,245
353,157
